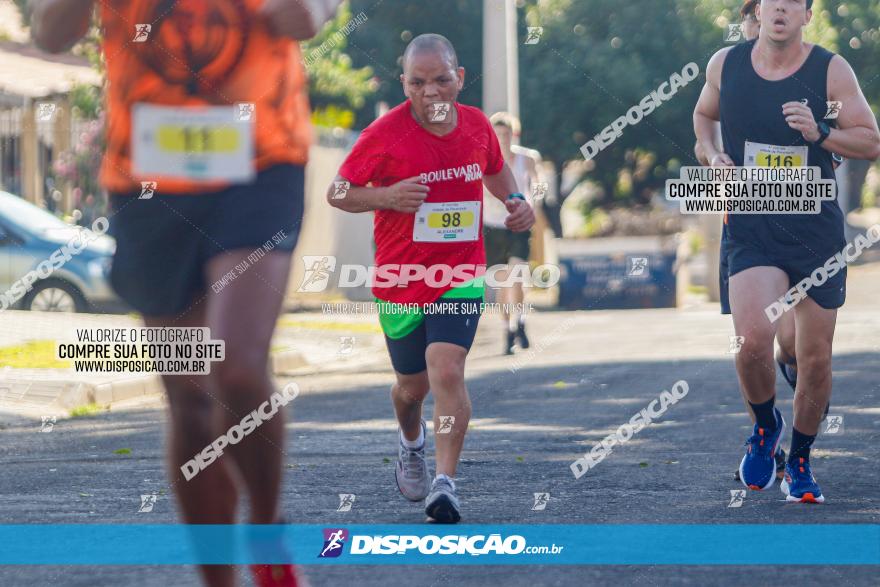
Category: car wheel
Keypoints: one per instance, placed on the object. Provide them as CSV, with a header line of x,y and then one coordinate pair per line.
x,y
54,296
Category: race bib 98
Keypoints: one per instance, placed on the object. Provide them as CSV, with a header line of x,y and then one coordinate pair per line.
x,y
447,222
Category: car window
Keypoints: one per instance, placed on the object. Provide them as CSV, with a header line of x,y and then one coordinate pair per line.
x,y
25,214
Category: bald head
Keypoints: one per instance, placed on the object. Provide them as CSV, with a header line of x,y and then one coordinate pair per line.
x,y
431,75
430,43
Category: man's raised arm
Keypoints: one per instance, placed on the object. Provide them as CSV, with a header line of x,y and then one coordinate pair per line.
x,y
405,196
707,112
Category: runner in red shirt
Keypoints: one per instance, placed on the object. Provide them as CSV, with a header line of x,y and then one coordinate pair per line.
x,y
425,162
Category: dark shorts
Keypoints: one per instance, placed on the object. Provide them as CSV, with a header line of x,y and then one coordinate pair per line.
x,y
724,279
502,244
163,243
737,257
455,322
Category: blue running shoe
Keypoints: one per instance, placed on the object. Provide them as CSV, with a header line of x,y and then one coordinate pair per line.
x,y
799,485
757,470
779,457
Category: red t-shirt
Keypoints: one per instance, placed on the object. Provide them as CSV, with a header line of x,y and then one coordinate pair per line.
x,y
395,147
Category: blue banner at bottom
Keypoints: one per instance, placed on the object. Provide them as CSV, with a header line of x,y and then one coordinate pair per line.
x,y
727,544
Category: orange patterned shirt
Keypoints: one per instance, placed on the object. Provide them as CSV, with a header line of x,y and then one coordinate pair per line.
x,y
207,53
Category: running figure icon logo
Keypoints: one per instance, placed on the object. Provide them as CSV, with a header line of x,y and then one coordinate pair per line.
x,y
539,191
734,33
346,345
48,423
440,111
833,109
46,111
736,343
148,190
317,274
340,189
533,35
334,542
834,424
541,500
737,496
245,112
637,266
446,424
141,32
346,500
147,503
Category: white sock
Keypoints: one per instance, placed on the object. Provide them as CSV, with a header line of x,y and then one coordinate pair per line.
x,y
516,320
417,443
447,477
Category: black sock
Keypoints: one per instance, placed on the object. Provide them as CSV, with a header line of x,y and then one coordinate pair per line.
x,y
764,415
800,446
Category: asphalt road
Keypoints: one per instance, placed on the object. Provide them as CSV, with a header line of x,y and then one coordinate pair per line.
x,y
589,372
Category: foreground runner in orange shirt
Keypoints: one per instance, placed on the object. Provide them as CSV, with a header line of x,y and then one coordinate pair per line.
x,y
208,134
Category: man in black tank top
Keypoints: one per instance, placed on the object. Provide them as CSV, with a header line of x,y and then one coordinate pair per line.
x,y
770,96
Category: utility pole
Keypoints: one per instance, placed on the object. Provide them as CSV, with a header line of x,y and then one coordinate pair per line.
x,y
500,57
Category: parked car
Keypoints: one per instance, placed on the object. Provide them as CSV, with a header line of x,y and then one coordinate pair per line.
x,y
39,268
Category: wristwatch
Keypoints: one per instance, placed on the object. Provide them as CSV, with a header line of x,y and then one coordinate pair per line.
x,y
824,131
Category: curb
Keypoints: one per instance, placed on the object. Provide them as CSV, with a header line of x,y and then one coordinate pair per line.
x,y
33,392
285,362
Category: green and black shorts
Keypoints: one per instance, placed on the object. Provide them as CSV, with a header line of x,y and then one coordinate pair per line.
x,y
410,328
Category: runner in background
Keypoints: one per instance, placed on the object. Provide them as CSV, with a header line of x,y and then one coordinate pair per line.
x,y
503,246
224,83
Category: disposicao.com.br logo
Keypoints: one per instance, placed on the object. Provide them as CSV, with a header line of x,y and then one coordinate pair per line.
x,y
457,544
319,271
334,542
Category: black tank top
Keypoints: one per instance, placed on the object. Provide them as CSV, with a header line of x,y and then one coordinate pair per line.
x,y
751,110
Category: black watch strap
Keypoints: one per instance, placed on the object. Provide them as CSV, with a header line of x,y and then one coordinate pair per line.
x,y
824,131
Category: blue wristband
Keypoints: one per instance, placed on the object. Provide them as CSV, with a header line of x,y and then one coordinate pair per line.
x,y
517,195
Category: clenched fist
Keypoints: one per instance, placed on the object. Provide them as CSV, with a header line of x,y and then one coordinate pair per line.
x,y
521,215
406,195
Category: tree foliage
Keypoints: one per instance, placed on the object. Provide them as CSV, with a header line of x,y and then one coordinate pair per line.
x,y
595,60
379,43
336,87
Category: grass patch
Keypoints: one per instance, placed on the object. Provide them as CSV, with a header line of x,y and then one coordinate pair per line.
x,y
85,411
122,451
34,354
